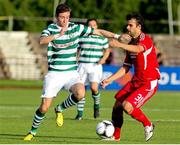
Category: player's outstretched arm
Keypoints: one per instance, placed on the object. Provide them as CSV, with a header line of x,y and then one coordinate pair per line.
x,y
105,56
106,33
121,72
128,47
47,39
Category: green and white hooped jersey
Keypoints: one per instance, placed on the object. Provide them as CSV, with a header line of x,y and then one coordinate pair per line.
x,y
92,48
62,52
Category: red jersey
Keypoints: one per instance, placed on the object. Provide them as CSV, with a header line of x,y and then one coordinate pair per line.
x,y
145,64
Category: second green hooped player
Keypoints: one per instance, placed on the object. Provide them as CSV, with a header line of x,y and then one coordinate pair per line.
x,y
94,50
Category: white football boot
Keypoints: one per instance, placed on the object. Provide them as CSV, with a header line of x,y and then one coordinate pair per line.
x,y
148,132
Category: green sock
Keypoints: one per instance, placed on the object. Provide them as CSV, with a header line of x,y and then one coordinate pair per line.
x,y
38,118
70,101
80,107
96,98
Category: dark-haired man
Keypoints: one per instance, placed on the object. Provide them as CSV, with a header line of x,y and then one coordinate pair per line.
x,y
62,38
140,53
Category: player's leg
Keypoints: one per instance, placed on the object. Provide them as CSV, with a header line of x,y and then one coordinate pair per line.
x,y
117,113
95,77
77,89
51,87
38,117
96,97
78,92
117,118
138,98
82,70
80,109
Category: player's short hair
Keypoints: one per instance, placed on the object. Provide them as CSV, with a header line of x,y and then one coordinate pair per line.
x,y
61,8
139,19
91,19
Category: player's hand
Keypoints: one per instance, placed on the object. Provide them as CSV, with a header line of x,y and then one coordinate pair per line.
x,y
101,61
114,43
105,82
125,38
63,30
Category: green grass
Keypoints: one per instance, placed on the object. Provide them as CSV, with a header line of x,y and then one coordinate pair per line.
x,y
17,107
20,83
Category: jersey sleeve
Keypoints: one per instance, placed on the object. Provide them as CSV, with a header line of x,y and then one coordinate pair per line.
x,y
85,31
145,42
46,32
105,43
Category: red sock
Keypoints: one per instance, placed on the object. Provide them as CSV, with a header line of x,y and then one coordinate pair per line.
x,y
117,132
140,116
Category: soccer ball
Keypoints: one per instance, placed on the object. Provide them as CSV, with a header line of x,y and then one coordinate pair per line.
x,y
105,129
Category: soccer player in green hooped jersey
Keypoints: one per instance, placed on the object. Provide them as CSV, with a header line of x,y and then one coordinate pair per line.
x,y
93,50
62,38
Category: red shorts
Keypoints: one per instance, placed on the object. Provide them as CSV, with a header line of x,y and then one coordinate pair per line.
x,y
137,94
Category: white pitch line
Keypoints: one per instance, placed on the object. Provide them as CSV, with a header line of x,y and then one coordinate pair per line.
x,y
17,107
21,116
34,107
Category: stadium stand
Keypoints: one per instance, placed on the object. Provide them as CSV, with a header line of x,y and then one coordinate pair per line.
x,y
40,51
1,65
169,46
18,56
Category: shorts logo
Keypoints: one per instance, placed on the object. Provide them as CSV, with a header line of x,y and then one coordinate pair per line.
x,y
138,99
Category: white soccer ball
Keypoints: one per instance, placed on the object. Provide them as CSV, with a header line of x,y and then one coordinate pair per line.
x,y
105,129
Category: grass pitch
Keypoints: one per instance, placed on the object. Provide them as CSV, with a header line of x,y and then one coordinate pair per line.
x,y
17,107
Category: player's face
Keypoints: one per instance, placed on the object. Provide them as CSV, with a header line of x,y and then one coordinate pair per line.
x,y
63,19
133,28
93,24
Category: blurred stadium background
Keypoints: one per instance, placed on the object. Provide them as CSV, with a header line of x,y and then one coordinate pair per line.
x,y
21,22
23,64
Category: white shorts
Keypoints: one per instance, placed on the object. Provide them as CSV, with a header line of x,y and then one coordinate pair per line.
x,y
55,81
90,72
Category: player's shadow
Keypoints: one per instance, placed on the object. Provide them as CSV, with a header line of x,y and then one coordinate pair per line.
x,y
67,139
11,136
59,138
85,118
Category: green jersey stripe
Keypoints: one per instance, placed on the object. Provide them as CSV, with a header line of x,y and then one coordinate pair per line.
x,y
63,63
60,70
55,49
90,56
61,41
91,49
62,55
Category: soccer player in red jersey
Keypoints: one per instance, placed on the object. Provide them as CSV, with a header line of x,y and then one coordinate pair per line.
x,y
140,53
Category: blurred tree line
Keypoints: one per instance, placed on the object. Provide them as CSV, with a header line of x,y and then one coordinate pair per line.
x,y
28,13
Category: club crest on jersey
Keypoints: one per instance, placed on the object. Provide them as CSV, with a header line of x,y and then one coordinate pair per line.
x,y
72,35
142,36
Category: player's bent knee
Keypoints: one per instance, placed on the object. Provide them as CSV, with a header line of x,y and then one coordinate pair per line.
x,y
43,109
94,90
80,94
128,108
78,90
